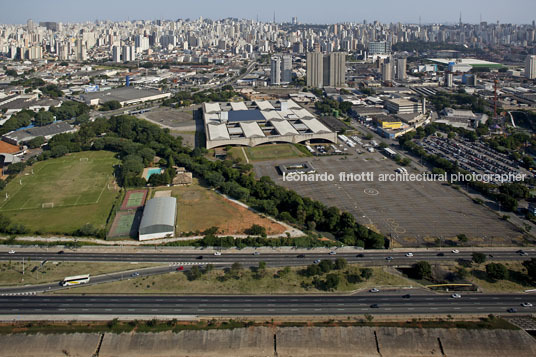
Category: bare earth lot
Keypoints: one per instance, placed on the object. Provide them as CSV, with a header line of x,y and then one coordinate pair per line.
x,y
412,212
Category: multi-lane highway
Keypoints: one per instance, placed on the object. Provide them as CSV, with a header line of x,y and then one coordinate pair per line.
x,y
263,305
376,257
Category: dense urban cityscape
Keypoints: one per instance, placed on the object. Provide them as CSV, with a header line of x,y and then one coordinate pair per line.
x,y
243,187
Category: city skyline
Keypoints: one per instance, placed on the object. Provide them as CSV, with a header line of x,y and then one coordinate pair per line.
x,y
314,12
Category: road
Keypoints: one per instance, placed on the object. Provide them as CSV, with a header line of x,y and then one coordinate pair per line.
x,y
262,305
377,257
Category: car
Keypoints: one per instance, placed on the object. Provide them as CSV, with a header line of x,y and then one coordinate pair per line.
x,y
256,253
181,268
389,258
526,304
374,306
301,256
135,274
522,252
409,254
332,253
456,296
199,257
374,290
512,310
217,253
440,254
61,252
317,261
455,251
407,296
11,251
360,255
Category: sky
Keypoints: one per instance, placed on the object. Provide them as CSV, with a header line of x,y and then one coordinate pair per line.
x,y
307,11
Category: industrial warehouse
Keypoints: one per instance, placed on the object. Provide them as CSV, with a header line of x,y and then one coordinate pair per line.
x,y
159,217
258,122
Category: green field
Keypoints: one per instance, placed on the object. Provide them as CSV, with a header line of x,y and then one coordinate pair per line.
x,y
61,195
273,151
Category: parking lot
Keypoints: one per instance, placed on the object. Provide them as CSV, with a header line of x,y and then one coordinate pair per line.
x,y
414,213
472,156
175,119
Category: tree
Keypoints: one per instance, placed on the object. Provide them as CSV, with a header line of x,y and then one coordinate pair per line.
x,y
261,270
235,269
496,271
43,118
530,265
16,168
332,281
194,273
462,238
325,266
59,151
340,263
366,273
110,105
256,230
422,270
479,258
36,142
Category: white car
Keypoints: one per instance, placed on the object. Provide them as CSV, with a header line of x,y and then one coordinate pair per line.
x,y
455,251
332,253
409,254
456,296
526,304
217,253
11,251
374,290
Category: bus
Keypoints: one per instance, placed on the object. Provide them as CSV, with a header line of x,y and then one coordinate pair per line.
x,y
75,280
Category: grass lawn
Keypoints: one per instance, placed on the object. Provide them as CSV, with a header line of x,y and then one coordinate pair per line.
x,y
80,186
274,151
11,272
479,277
199,208
248,283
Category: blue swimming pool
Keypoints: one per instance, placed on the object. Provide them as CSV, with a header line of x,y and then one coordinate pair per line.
x,y
151,172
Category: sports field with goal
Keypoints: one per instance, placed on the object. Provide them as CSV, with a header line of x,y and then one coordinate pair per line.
x,y
61,195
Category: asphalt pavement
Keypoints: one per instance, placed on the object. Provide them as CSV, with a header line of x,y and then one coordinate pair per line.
x,y
264,305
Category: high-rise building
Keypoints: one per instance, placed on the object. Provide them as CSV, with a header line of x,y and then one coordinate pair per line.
x,y
449,79
387,70
401,69
142,42
326,70
116,54
286,69
379,48
530,67
275,74
315,69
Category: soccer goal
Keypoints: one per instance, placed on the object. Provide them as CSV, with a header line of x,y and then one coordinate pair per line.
x,y
84,159
47,205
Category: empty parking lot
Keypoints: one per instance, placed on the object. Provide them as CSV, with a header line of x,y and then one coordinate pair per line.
x,y
412,212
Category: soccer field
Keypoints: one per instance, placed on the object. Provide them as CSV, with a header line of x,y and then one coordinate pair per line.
x,y
61,195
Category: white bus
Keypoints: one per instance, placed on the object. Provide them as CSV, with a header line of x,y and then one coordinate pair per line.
x,y
75,280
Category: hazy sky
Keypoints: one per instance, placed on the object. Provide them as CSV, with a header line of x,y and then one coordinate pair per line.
x,y
307,11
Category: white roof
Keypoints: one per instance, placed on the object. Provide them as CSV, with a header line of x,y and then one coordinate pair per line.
x,y
271,114
211,107
316,126
264,105
239,106
283,127
212,117
288,114
292,104
251,129
218,131
302,113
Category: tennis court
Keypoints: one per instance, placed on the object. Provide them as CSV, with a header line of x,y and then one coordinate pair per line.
x,y
125,224
134,199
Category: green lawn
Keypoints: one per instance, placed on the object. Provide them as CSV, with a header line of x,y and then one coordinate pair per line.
x,y
35,273
248,283
273,151
80,187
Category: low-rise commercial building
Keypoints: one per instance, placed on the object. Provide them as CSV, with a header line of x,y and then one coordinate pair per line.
x,y
159,217
125,96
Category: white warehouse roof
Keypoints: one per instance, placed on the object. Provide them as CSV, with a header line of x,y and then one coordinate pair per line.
x,y
251,129
218,131
283,127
